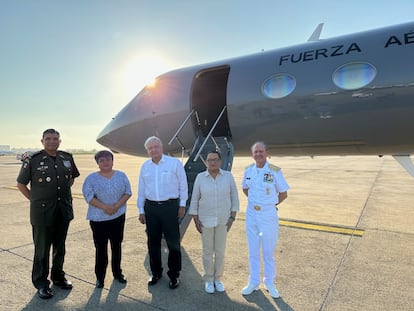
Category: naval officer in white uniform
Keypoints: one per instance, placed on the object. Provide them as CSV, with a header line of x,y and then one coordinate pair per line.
x,y
265,187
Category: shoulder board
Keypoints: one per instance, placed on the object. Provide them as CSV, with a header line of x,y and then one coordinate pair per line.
x,y
249,166
28,155
274,167
34,154
64,153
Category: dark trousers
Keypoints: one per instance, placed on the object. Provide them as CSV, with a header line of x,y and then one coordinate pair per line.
x,y
45,237
162,218
112,230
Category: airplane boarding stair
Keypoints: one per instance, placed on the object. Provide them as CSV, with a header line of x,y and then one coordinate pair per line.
x,y
196,160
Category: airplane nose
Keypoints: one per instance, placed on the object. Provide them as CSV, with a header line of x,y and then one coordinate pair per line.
x,y
157,110
127,128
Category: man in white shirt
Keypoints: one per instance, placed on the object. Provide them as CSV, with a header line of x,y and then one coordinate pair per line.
x,y
265,188
162,196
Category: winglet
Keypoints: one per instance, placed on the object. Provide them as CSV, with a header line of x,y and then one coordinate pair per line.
x,y
315,36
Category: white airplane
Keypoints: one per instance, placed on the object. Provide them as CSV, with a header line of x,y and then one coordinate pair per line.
x,y
349,95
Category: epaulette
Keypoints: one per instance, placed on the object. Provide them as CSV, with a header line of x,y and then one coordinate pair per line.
x,y
249,166
65,153
36,153
274,167
26,156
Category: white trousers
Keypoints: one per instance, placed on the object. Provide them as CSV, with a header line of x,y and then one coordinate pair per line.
x,y
214,248
262,230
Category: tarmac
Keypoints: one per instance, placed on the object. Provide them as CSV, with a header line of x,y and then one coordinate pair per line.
x,y
346,242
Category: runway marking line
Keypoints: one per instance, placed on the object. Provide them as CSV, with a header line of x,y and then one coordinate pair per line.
x,y
288,223
322,227
338,229
10,187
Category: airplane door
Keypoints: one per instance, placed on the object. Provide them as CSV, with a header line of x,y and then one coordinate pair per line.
x,y
208,98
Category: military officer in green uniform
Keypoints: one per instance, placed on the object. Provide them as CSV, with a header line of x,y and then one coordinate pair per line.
x,y
51,173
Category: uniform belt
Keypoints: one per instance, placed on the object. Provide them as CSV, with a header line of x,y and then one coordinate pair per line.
x,y
258,208
162,202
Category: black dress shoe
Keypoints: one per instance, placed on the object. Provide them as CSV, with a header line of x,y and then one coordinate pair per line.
x,y
174,283
45,293
99,284
121,279
153,280
64,284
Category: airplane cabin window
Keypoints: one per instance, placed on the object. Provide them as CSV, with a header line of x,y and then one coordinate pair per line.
x,y
279,86
354,75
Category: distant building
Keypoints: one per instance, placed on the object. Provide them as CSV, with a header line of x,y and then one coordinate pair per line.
x,y
5,148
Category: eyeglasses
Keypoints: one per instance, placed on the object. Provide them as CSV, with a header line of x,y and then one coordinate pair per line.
x,y
213,160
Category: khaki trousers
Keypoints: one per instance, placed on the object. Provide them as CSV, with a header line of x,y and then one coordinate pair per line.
x,y
214,248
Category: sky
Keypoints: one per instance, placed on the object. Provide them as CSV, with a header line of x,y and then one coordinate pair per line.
x,y
72,65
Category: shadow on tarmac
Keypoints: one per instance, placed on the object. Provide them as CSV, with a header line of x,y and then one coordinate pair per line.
x,y
316,270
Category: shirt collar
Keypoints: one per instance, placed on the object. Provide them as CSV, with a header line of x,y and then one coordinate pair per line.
x,y
162,160
206,173
264,166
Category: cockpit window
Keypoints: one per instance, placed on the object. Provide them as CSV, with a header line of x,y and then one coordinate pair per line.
x,y
279,85
354,75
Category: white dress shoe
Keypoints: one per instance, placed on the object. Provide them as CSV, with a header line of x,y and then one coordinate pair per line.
x,y
219,286
250,288
271,288
209,287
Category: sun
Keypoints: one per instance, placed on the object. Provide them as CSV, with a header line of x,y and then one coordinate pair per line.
x,y
142,70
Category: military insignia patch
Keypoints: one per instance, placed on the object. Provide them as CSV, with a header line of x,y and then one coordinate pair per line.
x,y
268,177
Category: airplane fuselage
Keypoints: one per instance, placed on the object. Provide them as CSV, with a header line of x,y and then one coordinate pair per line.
x,y
348,95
